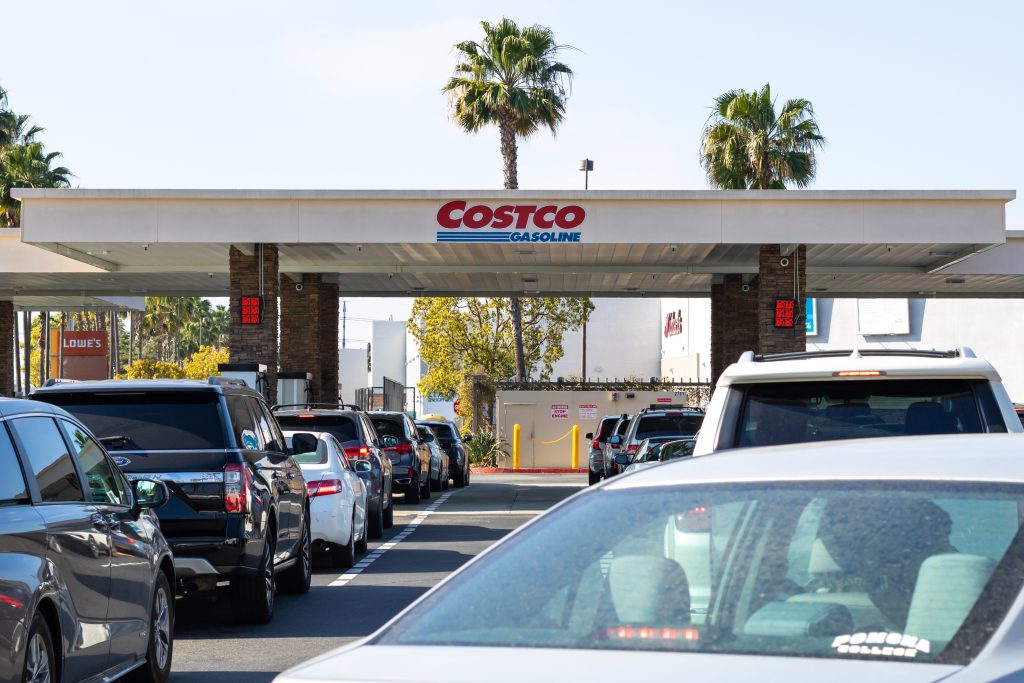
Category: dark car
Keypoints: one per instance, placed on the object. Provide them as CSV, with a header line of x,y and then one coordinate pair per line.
x,y
656,425
458,460
598,440
363,447
238,508
85,575
410,456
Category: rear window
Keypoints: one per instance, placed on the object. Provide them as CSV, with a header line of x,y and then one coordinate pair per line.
x,y
148,421
655,426
317,457
606,428
342,427
796,412
388,427
444,432
623,427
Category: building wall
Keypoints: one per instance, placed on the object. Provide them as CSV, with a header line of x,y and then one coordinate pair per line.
x,y
353,374
387,351
687,355
622,341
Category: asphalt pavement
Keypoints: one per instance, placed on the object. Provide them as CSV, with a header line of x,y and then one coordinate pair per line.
x,y
428,541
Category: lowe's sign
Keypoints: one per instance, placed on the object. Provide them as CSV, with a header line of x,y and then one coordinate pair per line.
x,y
509,223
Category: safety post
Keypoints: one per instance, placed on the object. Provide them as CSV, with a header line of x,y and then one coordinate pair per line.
x,y
575,447
515,446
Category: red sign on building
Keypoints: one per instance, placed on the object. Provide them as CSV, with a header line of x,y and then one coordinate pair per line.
x,y
83,343
673,323
251,310
785,312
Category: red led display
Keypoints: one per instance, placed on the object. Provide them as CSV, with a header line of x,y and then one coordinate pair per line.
x,y
250,310
785,312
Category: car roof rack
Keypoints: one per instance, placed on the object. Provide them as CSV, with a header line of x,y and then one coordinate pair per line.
x,y
859,353
221,381
314,406
671,406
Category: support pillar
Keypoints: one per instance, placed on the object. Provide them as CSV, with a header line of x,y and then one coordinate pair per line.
x,y
302,328
255,343
329,360
7,348
733,321
782,274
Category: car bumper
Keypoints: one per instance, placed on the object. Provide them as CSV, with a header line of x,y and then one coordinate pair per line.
x,y
329,523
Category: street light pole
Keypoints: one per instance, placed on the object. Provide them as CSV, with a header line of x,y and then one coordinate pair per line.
x,y
587,165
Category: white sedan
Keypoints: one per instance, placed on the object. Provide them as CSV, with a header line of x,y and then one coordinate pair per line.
x,y
888,560
337,496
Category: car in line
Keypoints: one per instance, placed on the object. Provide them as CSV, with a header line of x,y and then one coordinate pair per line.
x,y
337,505
890,560
86,576
351,426
598,439
439,477
766,400
410,455
454,445
613,445
653,453
657,425
238,510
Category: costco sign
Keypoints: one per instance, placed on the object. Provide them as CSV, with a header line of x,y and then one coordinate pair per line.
x,y
509,222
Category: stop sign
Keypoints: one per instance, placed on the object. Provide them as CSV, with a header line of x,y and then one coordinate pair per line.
x,y
458,401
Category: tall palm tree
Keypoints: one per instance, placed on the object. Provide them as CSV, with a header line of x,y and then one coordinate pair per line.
x,y
748,146
511,79
27,165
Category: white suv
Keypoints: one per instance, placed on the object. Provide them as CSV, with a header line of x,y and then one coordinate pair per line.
x,y
829,395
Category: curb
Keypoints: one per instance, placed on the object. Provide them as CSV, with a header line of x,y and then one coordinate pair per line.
x,y
526,470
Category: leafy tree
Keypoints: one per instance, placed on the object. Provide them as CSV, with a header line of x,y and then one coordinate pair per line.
x,y
511,79
152,369
203,363
466,335
748,146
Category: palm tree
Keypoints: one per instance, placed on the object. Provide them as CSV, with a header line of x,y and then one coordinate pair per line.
x,y
28,165
511,79
747,146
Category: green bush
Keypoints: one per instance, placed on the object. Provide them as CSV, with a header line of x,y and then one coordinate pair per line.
x,y
486,448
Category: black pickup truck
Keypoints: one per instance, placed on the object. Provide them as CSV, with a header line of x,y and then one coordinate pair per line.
x,y
238,509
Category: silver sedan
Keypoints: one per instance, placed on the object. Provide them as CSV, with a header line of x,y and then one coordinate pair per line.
x,y
882,560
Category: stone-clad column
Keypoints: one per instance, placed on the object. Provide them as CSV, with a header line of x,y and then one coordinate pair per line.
x,y
255,343
788,281
7,349
329,342
733,321
302,327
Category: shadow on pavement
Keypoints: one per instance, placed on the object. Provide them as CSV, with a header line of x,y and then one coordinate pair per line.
x,y
456,533
222,676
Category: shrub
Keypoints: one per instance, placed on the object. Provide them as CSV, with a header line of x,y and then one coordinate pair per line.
x,y
486,448
152,369
203,363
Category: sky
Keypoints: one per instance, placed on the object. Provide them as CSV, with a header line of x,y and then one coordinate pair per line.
x,y
333,94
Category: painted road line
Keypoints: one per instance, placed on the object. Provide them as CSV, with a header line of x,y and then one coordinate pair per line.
x,y
372,557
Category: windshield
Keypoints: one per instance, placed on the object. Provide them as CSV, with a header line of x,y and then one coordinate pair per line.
x,y
148,421
340,427
900,571
796,412
661,426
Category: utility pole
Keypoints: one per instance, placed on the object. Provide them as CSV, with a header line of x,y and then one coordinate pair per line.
x,y
587,165
344,320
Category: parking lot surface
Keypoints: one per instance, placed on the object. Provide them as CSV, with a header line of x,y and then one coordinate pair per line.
x,y
428,541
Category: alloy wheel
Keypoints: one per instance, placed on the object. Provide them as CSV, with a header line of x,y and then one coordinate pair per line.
x,y
37,661
162,629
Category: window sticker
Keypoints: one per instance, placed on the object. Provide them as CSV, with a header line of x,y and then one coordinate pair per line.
x,y
881,644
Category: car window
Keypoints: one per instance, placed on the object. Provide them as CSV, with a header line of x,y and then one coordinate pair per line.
x,y
316,457
105,486
386,426
243,423
48,456
341,426
852,570
623,427
269,430
369,433
656,426
150,420
345,463
12,481
795,412
606,429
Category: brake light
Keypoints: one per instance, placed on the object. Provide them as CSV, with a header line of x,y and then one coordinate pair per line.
x,y
324,487
403,448
360,452
305,416
632,448
859,373
652,633
236,488
594,446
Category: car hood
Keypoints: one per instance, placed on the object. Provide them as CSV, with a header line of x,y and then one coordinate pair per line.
x,y
405,664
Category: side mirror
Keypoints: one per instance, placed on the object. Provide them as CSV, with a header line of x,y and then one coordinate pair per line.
x,y
303,442
688,448
388,442
589,436
467,438
362,465
622,459
615,441
150,493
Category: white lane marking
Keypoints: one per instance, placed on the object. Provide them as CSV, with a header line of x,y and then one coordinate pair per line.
x,y
372,557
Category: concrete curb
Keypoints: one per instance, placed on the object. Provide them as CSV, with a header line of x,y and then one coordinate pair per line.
x,y
526,470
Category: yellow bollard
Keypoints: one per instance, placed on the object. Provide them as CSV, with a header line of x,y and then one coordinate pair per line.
x,y
515,446
575,447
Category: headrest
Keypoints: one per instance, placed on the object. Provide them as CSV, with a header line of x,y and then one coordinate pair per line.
x,y
847,410
821,561
928,417
799,619
651,590
947,587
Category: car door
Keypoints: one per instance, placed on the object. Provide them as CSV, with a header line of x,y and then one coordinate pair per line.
x,y
132,538
421,446
77,538
288,477
354,490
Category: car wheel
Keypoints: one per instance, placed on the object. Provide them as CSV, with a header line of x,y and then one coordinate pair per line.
x,y
157,668
252,597
594,477
297,578
389,513
435,485
412,494
375,521
344,556
425,488
40,663
361,543
466,479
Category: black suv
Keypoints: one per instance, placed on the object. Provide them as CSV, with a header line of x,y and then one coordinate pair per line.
x,y
410,456
452,444
354,431
238,508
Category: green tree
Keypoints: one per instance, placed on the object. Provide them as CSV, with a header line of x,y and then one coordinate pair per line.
x,y
203,363
511,79
466,335
748,146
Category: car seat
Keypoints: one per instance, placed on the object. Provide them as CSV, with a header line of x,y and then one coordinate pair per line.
x,y
648,590
826,577
947,587
928,417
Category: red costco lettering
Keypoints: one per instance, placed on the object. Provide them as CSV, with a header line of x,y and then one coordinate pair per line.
x,y
455,215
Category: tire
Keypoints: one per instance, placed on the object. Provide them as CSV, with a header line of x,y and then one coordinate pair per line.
x,y
466,479
425,489
594,478
297,578
412,494
252,597
344,556
389,513
361,543
436,485
375,519
446,484
160,650
40,661
458,480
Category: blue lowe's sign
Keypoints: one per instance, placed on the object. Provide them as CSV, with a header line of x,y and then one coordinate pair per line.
x,y
509,223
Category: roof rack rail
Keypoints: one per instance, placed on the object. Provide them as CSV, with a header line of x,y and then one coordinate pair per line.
x,y
671,406
221,381
846,353
312,406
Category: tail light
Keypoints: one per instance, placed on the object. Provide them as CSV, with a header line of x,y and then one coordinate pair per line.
x,y
403,448
324,487
632,448
236,488
360,452
594,446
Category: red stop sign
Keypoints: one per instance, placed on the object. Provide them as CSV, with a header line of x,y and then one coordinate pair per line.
x,y
458,401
